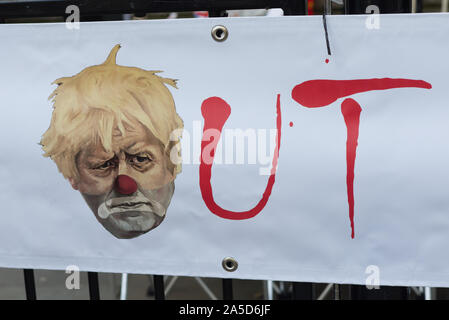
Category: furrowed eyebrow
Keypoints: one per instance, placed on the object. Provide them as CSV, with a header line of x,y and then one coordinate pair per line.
x,y
140,153
100,158
138,147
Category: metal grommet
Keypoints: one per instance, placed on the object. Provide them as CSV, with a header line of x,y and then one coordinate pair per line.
x,y
219,33
229,264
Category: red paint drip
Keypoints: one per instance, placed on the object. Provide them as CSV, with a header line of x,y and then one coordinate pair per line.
x,y
320,93
291,124
215,112
351,112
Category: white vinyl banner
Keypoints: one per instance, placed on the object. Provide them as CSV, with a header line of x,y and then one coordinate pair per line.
x,y
299,165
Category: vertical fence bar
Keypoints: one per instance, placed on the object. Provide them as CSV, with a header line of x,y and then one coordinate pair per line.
x,y
427,293
327,7
414,6
159,291
444,5
124,286
336,291
94,289
227,289
30,287
302,291
269,284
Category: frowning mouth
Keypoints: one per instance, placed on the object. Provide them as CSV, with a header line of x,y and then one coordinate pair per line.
x,y
125,208
130,205
127,201
127,214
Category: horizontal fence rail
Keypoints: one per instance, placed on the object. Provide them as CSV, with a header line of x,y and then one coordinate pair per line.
x,y
55,8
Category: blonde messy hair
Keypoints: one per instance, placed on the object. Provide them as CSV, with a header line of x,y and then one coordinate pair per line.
x,y
89,106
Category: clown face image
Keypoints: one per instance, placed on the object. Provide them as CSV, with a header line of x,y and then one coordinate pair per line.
x,y
112,136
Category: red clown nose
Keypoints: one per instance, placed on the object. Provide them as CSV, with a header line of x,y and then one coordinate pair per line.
x,y
125,184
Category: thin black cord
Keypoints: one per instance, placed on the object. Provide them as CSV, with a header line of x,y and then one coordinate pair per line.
x,y
325,28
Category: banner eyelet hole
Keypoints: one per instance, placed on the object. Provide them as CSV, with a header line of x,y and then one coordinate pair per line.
x,y
219,33
230,264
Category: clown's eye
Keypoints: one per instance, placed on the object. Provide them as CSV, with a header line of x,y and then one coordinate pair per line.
x,y
139,159
106,165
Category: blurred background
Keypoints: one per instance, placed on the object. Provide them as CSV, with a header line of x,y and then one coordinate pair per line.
x,y
52,285
314,7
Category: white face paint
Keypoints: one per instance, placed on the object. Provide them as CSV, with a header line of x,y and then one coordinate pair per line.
x,y
130,204
128,216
